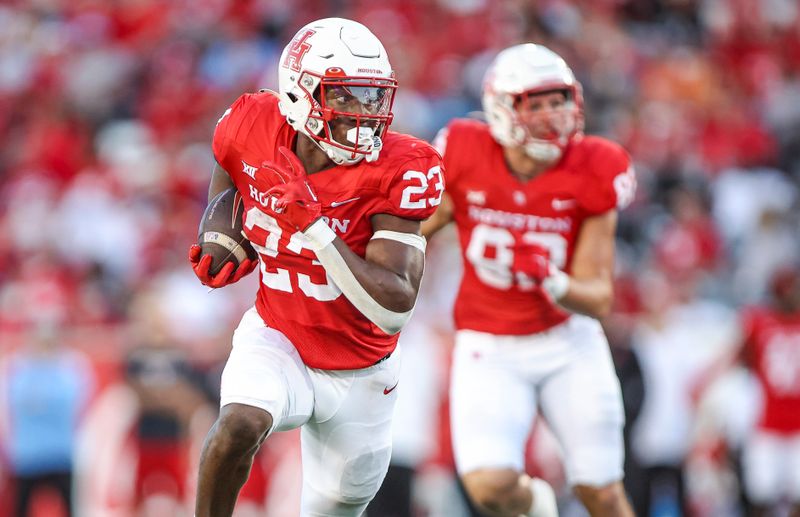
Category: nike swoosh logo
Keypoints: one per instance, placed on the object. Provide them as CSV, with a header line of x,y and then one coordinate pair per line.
x,y
563,204
340,203
386,391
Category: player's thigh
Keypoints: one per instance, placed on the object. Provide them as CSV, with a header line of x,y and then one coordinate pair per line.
x,y
264,370
347,443
582,402
492,406
764,465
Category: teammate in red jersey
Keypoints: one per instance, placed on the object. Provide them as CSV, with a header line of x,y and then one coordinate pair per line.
x,y
333,204
535,204
771,349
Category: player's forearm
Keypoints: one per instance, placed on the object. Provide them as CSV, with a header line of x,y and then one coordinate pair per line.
x,y
592,297
381,295
391,290
591,287
220,181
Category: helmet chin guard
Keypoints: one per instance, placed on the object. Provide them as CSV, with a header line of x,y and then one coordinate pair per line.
x,y
543,151
525,70
337,87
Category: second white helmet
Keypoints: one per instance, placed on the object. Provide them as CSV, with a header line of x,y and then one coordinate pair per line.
x,y
335,53
522,70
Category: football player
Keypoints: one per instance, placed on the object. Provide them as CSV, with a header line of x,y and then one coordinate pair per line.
x,y
771,350
535,204
333,204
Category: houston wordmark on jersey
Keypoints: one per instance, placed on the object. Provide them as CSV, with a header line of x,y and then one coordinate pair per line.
x,y
493,210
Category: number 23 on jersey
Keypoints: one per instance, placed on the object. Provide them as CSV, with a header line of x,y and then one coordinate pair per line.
x,y
414,196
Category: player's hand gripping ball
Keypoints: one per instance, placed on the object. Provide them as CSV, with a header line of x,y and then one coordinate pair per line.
x,y
223,255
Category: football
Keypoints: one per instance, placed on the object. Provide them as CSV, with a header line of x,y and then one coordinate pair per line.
x,y
220,233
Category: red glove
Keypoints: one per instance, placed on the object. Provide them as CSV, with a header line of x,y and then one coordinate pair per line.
x,y
296,201
225,276
532,260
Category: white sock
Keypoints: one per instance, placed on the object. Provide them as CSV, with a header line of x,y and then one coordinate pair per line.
x,y
544,499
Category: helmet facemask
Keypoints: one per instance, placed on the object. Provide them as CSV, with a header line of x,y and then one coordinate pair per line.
x,y
349,116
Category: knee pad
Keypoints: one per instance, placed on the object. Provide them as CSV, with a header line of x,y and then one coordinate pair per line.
x,y
363,475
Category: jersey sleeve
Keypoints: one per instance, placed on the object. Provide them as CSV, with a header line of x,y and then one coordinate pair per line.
x,y
614,179
231,125
416,187
440,144
448,143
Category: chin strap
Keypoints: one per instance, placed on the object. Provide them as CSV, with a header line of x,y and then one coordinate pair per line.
x,y
377,145
545,152
338,155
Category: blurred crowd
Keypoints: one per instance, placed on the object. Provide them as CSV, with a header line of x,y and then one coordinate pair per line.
x,y
111,350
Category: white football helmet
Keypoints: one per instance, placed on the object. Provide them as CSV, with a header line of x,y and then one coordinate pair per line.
x,y
517,72
341,59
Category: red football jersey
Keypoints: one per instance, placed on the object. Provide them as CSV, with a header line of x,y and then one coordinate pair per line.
x,y
492,209
772,344
296,296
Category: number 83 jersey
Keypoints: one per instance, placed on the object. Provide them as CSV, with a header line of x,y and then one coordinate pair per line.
x,y
295,295
493,209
